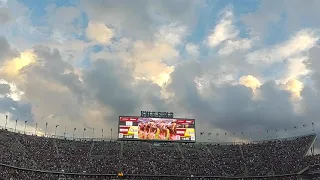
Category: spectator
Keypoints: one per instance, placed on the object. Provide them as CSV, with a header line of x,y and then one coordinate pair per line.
x,y
32,157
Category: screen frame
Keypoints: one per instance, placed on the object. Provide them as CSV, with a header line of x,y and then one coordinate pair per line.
x,y
157,140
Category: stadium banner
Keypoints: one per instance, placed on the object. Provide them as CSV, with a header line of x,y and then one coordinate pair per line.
x,y
156,129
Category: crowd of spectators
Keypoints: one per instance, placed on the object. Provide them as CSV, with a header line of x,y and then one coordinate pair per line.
x,y
24,157
276,157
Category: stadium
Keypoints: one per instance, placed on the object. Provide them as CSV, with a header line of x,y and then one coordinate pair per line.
x,y
237,84
141,152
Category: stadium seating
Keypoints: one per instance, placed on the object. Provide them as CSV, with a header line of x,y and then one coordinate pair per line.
x,y
32,157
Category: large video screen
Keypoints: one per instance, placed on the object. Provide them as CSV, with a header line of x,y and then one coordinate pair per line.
x,y
161,129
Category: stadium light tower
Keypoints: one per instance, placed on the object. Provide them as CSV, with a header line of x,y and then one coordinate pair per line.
x,y
209,136
35,130
55,131
45,132
15,127
65,131
74,131
201,133
25,126
84,130
5,126
102,133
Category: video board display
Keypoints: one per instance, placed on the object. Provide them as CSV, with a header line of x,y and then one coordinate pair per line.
x,y
158,129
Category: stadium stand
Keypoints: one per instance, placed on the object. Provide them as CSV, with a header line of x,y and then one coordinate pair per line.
x,y
31,157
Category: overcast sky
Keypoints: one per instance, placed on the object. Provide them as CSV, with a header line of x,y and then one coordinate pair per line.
x,y
235,66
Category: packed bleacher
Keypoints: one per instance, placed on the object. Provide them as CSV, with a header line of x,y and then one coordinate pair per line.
x,y
31,157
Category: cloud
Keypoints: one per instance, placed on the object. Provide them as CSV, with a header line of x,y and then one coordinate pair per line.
x,y
5,50
225,35
269,15
4,89
172,34
99,32
291,53
224,30
192,49
63,18
295,87
140,19
12,67
231,46
250,82
4,15
149,60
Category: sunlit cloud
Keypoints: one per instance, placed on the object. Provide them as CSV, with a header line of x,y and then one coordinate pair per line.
x,y
13,67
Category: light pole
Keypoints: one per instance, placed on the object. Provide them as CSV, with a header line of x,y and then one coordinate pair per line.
x,y
92,133
201,133
55,131
25,126
217,137
312,126
35,130
65,131
45,132
5,126
44,117
111,133
15,127
102,133
225,137
74,131
84,130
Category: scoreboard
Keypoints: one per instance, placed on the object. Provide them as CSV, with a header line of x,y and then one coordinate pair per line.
x,y
161,129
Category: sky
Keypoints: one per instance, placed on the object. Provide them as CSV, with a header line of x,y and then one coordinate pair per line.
x,y
243,69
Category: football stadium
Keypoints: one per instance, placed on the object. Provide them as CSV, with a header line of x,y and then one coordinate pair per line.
x,y
154,147
159,89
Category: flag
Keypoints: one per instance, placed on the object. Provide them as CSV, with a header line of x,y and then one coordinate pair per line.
x,y
304,125
57,126
25,121
102,130
276,130
46,124
225,134
74,129
209,133
6,116
16,120
84,129
241,132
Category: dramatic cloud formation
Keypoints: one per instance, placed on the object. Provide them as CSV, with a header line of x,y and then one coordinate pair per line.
x,y
85,63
